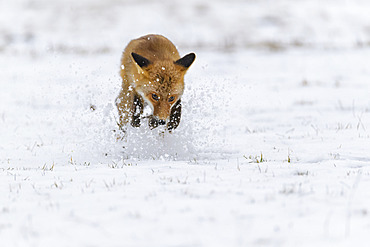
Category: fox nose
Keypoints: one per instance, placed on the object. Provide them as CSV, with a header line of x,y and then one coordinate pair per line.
x,y
161,122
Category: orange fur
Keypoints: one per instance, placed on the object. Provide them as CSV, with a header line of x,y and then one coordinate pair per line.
x,y
156,69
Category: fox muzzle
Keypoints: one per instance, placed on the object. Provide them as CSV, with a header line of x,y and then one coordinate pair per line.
x,y
161,122
155,122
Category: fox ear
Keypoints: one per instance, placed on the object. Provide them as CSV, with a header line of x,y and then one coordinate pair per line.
x,y
140,60
186,61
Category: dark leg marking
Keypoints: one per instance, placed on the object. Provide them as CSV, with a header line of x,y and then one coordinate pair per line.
x,y
175,116
137,110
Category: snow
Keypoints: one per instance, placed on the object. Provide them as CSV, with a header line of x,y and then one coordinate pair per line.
x,y
272,149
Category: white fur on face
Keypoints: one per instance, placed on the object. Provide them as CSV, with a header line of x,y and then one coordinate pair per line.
x,y
147,104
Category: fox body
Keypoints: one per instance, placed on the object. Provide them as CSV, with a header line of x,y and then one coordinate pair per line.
x,y
152,74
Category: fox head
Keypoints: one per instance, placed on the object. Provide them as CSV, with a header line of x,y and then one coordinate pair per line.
x,y
161,83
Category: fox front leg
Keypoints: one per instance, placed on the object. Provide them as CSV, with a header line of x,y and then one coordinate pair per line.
x,y
136,111
175,116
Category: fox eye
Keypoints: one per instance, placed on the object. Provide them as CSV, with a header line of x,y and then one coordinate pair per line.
x,y
172,98
155,97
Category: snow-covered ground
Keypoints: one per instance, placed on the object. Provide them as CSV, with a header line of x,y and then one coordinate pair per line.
x,y
273,148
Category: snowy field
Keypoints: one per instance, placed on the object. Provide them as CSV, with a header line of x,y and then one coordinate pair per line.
x,y
273,148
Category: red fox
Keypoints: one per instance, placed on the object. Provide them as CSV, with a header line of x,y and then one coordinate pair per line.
x,y
152,74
